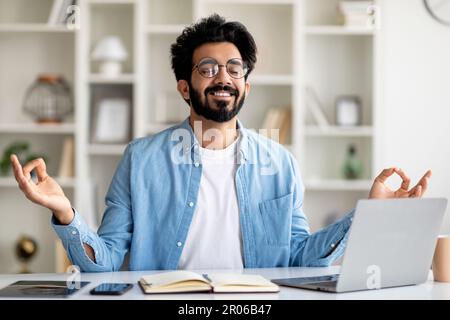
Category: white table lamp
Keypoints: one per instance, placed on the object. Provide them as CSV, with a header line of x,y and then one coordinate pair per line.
x,y
111,52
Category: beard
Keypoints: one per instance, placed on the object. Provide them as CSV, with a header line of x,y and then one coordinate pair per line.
x,y
221,112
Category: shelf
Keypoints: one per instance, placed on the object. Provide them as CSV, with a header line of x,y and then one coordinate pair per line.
x,y
123,78
275,2
65,128
174,29
107,149
111,1
153,128
334,131
264,79
7,182
33,27
337,185
338,30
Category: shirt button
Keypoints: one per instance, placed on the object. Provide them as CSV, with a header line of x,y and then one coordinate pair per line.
x,y
195,147
74,232
332,245
196,164
191,204
179,244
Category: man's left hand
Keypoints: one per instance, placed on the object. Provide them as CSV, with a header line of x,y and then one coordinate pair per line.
x,y
381,191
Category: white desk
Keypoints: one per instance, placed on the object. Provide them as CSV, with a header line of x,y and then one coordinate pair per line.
x,y
428,290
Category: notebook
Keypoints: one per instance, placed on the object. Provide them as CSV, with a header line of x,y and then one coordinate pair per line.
x,y
181,281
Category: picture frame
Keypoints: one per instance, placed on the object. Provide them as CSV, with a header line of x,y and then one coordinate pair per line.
x,y
112,121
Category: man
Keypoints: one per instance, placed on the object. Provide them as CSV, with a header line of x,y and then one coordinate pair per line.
x,y
206,193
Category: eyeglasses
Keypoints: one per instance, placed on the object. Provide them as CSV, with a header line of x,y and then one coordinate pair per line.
x,y
209,67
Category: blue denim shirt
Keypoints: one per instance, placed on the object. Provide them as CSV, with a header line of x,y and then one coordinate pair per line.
x,y
153,196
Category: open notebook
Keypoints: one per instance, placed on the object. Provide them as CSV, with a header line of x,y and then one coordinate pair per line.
x,y
188,281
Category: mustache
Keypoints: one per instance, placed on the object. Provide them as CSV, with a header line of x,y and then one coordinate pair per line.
x,y
222,88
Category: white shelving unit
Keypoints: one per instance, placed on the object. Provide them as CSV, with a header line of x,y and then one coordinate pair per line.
x,y
104,149
338,30
122,79
337,60
299,43
334,131
64,128
32,27
28,47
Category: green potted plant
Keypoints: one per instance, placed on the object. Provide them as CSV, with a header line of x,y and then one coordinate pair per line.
x,y
21,149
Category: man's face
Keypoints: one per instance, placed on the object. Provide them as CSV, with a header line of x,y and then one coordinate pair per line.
x,y
220,97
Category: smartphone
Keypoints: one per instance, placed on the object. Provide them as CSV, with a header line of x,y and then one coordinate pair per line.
x,y
111,288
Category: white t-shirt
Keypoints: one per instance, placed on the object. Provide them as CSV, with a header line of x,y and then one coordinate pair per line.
x,y
214,240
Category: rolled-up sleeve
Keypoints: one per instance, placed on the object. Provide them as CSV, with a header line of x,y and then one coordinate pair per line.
x,y
321,248
112,241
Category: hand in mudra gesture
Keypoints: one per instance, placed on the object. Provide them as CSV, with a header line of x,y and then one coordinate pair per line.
x,y
381,191
45,192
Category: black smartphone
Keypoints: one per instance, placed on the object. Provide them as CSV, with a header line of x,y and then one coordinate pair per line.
x,y
111,288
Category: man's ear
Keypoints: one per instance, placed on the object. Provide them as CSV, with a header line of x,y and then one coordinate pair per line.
x,y
247,88
183,88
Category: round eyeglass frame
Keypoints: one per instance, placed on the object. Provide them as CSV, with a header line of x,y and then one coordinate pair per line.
x,y
217,66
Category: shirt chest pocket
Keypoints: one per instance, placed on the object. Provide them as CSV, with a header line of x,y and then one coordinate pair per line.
x,y
276,217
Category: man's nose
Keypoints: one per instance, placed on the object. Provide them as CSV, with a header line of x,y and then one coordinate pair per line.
x,y
222,76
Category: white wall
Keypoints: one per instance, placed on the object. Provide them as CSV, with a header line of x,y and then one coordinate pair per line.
x,y
415,103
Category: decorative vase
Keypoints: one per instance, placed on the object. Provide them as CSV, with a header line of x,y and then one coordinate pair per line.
x,y
48,99
26,249
352,168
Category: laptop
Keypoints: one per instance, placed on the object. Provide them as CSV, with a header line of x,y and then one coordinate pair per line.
x,y
391,243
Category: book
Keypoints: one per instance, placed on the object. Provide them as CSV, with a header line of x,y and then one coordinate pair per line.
x,y
355,13
67,162
277,118
182,281
314,106
54,12
285,124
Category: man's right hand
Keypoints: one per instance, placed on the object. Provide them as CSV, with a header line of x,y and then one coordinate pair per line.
x,y
46,192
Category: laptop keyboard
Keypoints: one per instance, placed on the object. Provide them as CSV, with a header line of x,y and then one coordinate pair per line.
x,y
326,284
328,281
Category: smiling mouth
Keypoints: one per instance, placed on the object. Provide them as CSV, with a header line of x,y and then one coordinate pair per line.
x,y
221,94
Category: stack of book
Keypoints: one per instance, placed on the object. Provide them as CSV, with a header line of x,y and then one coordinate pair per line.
x,y
60,12
277,120
355,13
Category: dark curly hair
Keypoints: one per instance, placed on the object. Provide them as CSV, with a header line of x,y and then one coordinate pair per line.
x,y
210,29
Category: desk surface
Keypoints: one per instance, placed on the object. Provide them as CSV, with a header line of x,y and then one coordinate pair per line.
x,y
427,290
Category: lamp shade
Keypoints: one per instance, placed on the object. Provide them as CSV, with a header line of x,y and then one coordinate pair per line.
x,y
110,48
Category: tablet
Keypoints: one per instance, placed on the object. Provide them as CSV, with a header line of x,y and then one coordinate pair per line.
x,y
41,289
